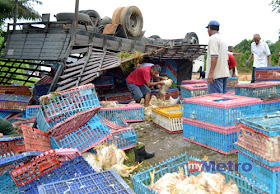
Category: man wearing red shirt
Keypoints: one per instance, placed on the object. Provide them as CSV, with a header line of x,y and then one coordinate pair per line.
x,y
231,64
139,80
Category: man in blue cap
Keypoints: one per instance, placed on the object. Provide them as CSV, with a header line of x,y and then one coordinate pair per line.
x,y
217,70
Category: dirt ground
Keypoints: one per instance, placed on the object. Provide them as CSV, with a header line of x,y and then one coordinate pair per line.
x,y
167,145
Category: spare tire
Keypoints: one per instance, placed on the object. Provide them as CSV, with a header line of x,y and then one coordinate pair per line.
x,y
94,16
191,38
117,15
104,21
83,18
132,20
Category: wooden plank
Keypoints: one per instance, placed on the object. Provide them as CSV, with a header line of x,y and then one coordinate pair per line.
x,y
82,50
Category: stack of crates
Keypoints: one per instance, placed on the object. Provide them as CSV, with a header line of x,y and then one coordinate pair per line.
x,y
259,145
192,90
168,118
209,120
268,91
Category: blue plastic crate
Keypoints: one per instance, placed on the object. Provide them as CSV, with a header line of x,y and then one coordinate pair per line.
x,y
142,179
262,123
8,186
166,71
268,68
32,111
15,159
185,93
262,93
74,168
132,112
107,181
54,144
232,78
9,138
87,136
224,143
4,114
71,102
260,174
219,116
173,63
258,158
271,106
124,140
41,90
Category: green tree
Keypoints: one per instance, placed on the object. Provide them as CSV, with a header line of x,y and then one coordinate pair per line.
x,y
275,5
243,47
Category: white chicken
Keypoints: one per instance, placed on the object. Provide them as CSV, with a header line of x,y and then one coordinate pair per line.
x,y
230,188
163,89
93,161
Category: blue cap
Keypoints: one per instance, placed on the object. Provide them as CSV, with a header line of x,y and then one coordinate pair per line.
x,y
213,23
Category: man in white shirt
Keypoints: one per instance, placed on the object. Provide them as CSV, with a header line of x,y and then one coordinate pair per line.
x,y
217,70
261,53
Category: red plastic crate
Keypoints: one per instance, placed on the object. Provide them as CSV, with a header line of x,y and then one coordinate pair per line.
x,y
15,90
45,80
267,74
72,123
123,97
24,173
35,139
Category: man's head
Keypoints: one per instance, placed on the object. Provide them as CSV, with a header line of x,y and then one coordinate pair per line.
x,y
213,27
230,48
257,38
155,70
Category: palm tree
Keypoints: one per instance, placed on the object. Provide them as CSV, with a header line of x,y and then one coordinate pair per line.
x,y
25,9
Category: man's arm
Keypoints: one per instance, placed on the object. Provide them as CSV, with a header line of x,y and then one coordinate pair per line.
x,y
233,71
237,54
212,68
150,84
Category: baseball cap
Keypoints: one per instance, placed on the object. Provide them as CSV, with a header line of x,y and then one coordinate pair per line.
x,y
213,23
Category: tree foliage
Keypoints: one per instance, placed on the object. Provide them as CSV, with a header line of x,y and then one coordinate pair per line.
x,y
275,5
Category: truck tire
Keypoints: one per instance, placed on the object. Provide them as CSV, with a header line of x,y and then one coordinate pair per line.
x,y
84,18
191,38
155,37
117,15
104,21
94,16
132,20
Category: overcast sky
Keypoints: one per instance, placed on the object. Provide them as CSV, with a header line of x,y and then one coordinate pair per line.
x,y
239,19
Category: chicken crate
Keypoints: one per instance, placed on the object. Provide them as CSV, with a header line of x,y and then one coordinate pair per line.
x,y
4,114
74,168
69,101
271,105
220,109
166,71
129,112
260,173
121,97
217,138
38,166
14,103
141,181
32,111
107,181
8,185
123,139
15,90
104,81
232,82
87,136
10,146
192,90
262,90
197,81
168,118
267,74
16,159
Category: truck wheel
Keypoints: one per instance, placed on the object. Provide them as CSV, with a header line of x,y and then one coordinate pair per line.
x,y
155,37
104,21
191,38
117,15
94,16
84,18
132,20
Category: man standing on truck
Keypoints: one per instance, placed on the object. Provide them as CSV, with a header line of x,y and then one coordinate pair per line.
x,y
139,81
217,70
261,53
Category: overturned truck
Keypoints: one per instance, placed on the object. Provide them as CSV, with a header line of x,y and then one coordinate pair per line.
x,y
78,48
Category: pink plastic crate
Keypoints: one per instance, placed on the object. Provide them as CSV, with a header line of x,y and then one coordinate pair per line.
x,y
72,123
259,84
192,90
198,81
67,154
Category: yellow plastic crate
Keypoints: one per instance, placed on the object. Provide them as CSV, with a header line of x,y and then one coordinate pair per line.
x,y
168,118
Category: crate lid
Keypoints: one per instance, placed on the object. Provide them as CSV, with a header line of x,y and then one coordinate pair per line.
x,y
267,68
259,84
195,81
222,100
169,111
15,98
194,86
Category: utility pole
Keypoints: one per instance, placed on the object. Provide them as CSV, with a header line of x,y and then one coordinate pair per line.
x,y
15,14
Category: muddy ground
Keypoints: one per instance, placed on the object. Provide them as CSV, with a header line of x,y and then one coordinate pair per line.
x,y
167,145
